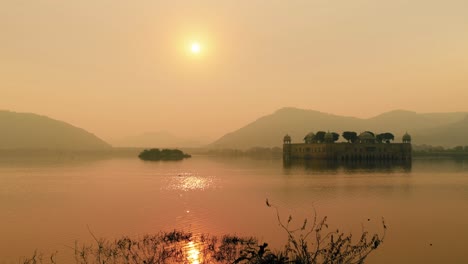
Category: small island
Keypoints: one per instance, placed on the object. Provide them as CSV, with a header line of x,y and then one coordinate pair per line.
x,y
165,154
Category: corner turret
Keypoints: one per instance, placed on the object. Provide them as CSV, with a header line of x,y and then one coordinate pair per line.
x,y
286,148
406,138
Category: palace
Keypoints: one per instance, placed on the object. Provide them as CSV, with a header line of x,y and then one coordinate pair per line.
x,y
366,147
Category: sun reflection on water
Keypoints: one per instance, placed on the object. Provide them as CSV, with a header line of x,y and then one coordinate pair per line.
x,y
189,182
193,253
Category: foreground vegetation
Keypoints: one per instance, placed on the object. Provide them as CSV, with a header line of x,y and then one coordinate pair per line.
x,y
308,244
165,154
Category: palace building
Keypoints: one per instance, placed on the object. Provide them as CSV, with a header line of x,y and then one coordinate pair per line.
x,y
366,147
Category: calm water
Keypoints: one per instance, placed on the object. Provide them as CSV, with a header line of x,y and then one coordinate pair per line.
x,y
48,204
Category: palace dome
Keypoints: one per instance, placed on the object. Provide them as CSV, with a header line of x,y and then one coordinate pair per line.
x,y
287,138
366,136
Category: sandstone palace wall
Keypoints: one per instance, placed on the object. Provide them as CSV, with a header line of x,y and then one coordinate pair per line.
x,y
348,151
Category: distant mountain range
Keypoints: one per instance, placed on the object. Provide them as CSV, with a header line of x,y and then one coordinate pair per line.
x,y
31,131
445,129
160,139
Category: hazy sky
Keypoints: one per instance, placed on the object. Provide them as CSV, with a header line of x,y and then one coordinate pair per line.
x,y
119,67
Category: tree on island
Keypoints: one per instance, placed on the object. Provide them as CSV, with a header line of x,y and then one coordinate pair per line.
x,y
165,154
320,136
385,137
460,149
379,138
350,136
336,136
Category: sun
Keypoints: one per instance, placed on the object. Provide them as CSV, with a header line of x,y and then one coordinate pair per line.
x,y
195,48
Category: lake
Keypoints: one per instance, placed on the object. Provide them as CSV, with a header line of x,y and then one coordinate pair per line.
x,y
49,203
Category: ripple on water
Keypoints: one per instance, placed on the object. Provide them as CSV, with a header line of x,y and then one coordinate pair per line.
x,y
193,252
188,181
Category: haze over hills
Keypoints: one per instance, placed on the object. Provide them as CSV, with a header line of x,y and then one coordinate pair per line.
x,y
445,129
160,139
454,134
31,131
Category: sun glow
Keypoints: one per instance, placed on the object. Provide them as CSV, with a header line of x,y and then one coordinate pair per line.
x,y
195,48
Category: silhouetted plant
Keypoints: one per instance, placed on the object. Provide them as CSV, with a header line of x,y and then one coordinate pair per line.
x,y
315,244
307,244
39,259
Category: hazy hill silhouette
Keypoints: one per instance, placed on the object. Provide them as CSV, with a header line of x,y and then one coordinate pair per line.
x,y
268,131
160,139
31,131
454,134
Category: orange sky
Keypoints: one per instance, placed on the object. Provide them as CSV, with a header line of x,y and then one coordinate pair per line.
x,y
119,68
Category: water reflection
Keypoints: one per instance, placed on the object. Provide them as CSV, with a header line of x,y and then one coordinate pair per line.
x,y
320,166
188,181
193,252
47,207
60,158
438,165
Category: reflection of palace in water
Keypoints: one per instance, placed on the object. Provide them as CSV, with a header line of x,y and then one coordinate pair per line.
x,y
347,166
366,148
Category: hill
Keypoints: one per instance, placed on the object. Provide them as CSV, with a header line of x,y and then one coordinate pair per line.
x,y
269,130
160,139
31,131
451,135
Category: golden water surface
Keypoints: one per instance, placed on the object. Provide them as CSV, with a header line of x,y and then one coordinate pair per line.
x,y
48,204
